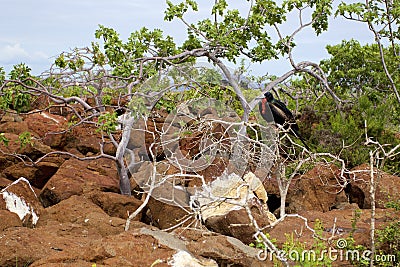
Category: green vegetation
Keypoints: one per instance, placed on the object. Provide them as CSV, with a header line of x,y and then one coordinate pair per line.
x,y
107,122
4,139
300,253
16,96
355,74
394,204
306,255
351,243
260,244
389,244
25,139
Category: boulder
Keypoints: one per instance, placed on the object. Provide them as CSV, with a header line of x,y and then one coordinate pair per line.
x,y
5,162
14,127
4,182
80,216
221,205
139,247
319,189
225,250
49,127
344,222
86,140
116,205
37,175
10,116
34,150
388,188
9,219
76,177
166,215
137,137
18,170
20,199
169,200
237,223
152,137
23,246
74,244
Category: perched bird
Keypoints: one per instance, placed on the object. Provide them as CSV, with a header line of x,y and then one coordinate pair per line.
x,y
273,110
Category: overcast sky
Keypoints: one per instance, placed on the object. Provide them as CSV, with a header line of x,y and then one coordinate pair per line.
x,y
35,32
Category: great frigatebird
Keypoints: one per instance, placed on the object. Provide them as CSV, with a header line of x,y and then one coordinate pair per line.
x,y
280,115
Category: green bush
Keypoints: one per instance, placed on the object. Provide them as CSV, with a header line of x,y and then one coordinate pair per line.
x,y
388,243
330,129
15,95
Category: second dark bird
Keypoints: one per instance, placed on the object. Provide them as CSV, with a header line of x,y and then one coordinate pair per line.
x,y
273,110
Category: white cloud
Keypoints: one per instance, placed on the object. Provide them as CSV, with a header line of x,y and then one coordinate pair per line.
x,y
15,52
12,52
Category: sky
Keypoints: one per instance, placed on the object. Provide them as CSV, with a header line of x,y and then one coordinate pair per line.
x,y
35,32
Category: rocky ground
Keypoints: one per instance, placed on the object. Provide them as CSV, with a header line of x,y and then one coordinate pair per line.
x,y
67,212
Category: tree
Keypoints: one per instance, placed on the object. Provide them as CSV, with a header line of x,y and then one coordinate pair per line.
x,y
114,77
230,36
355,73
355,70
382,18
118,68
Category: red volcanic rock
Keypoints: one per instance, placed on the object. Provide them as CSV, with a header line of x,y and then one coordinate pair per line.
x,y
76,177
15,127
18,170
9,219
227,251
86,140
49,127
10,116
164,215
5,162
319,189
34,150
116,205
88,218
4,182
388,188
236,223
342,220
37,175
20,199
83,222
78,233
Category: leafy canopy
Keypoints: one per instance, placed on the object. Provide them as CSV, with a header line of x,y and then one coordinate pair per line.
x,y
231,35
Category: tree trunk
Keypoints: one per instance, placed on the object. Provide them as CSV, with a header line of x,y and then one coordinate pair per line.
x,y
124,183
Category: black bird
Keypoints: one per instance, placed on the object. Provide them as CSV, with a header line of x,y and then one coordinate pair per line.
x,y
280,115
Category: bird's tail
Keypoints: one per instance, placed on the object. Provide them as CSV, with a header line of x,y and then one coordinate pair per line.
x,y
304,143
298,135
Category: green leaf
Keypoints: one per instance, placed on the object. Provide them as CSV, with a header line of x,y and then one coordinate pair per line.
x,y
107,122
25,139
4,139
